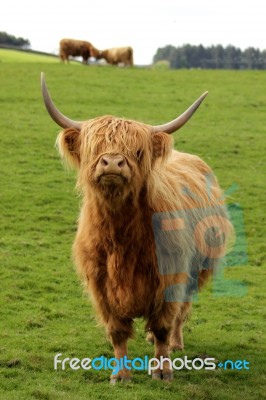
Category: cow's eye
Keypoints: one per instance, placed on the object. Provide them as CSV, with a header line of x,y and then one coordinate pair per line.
x,y
139,154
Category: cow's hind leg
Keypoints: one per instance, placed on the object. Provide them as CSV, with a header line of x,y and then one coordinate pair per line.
x,y
176,337
150,337
119,332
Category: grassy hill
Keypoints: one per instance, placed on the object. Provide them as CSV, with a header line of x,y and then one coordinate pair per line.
x,y
23,56
43,311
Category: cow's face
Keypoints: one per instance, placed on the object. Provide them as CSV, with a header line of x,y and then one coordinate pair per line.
x,y
114,156
95,53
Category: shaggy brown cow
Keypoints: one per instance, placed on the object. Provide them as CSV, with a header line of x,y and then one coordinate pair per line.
x,y
75,48
152,219
116,55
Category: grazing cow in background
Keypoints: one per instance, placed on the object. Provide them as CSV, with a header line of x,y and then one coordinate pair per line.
x,y
75,48
149,222
115,56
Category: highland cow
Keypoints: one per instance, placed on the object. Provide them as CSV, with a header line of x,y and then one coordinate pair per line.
x,y
115,55
75,48
152,220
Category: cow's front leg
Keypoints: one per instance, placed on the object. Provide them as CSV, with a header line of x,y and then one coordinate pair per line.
x,y
120,332
162,367
160,327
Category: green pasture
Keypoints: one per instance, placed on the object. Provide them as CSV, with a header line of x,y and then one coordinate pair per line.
x,y
43,309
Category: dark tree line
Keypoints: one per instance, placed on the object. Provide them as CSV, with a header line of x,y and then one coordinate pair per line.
x,y
214,57
13,41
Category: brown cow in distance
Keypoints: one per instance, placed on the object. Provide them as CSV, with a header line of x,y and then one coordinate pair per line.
x,y
152,226
75,48
115,55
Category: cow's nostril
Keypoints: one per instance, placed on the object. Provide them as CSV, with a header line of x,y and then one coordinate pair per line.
x,y
121,163
104,162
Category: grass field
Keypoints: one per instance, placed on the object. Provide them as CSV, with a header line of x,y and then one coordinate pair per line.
x,y
43,310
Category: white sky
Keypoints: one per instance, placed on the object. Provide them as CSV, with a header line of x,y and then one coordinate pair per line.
x,y
143,24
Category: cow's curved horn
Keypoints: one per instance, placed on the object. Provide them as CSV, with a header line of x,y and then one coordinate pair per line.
x,y
177,123
56,115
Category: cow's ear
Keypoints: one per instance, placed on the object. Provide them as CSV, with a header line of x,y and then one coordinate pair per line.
x,y
161,144
68,143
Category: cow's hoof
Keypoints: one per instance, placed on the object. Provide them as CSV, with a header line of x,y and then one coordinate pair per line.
x,y
168,376
164,376
114,380
157,376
